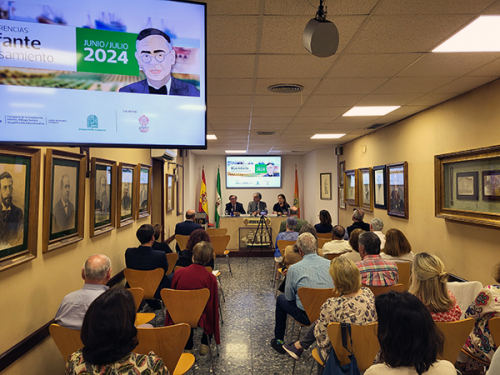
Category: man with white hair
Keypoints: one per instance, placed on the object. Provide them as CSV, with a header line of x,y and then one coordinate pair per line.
x,y
311,272
357,222
96,273
376,226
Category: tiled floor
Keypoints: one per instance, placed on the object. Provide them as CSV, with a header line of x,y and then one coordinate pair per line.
x,y
248,327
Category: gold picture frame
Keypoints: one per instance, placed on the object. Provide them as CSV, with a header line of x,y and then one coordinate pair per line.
x,y
170,192
103,182
126,194
366,189
397,192
144,193
351,187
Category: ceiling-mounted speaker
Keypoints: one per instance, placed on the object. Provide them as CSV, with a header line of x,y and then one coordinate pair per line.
x,y
321,37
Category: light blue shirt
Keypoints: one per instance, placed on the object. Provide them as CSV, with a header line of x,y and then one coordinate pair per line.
x,y
311,272
285,236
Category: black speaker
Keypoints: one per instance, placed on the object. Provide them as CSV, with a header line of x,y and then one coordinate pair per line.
x,y
339,150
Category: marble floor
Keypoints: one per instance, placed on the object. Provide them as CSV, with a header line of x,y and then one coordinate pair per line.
x,y
248,314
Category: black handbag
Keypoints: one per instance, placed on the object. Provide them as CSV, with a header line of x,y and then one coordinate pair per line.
x,y
332,366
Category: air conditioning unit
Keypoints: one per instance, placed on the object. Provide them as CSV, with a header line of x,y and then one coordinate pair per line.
x,y
168,155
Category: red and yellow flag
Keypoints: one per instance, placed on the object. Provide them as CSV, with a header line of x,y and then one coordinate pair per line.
x,y
296,193
203,205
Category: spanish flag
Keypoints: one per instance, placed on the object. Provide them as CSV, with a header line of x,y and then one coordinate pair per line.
x,y
296,193
203,205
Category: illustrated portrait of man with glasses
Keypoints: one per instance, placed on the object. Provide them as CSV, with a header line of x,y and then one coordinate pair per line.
x,y
156,57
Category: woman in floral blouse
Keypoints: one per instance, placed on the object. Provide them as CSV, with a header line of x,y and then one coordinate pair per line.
x,y
428,283
486,305
109,336
355,305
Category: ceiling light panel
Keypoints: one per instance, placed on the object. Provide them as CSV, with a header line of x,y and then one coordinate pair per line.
x,y
370,111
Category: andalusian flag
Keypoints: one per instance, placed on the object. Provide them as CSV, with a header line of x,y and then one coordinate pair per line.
x,y
296,193
203,206
218,200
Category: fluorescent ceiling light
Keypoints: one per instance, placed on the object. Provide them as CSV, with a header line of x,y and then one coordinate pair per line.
x,y
481,35
236,151
370,111
327,136
211,136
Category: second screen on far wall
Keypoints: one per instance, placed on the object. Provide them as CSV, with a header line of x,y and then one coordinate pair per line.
x,y
253,172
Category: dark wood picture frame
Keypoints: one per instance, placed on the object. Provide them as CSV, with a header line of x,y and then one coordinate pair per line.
x,y
143,202
127,175
102,196
491,185
473,182
397,192
170,192
63,220
325,186
21,246
342,205
350,191
366,193
341,172
180,189
379,173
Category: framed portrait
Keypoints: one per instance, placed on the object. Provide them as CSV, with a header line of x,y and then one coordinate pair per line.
x,y
351,187
144,192
64,199
467,185
170,183
19,193
341,198
491,185
397,194
125,207
379,188
102,196
341,172
180,190
325,183
366,189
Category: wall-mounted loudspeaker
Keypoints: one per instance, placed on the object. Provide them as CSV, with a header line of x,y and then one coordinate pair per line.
x,y
339,150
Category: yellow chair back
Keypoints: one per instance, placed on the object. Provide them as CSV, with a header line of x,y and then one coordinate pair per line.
x,y
181,241
455,334
147,280
185,306
404,273
377,290
67,340
312,299
172,259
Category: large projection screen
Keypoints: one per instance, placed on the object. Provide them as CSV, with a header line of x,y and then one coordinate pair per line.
x,y
253,172
70,73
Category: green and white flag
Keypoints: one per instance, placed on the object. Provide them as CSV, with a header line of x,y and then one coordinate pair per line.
x,y
218,200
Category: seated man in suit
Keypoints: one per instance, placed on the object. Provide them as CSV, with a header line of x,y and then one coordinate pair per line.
x,y
187,227
357,222
144,258
257,206
156,57
300,222
234,206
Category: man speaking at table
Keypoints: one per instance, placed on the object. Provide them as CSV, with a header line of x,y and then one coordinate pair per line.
x,y
234,206
257,206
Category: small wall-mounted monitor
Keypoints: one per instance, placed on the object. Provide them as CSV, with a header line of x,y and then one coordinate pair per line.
x,y
253,172
114,73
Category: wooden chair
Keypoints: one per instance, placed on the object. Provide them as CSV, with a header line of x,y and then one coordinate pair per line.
x,y
322,241
67,340
167,343
219,244
186,306
455,334
377,290
494,326
404,273
332,256
143,318
282,244
172,259
138,294
181,241
217,231
147,280
325,235
365,344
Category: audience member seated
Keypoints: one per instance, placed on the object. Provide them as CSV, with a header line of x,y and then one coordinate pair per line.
x,y
495,364
233,206
292,255
96,272
428,283
289,235
357,222
338,245
312,272
282,207
256,207
376,226
409,339
354,244
157,245
397,247
144,258
197,277
486,306
187,227
325,222
356,305
294,211
186,256
109,337
374,270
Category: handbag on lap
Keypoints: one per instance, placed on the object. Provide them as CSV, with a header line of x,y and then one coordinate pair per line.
x,y
332,366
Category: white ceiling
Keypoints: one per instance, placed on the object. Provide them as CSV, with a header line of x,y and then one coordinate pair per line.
x,y
383,58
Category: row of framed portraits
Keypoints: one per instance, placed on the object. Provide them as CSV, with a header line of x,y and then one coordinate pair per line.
x,y
382,187
120,193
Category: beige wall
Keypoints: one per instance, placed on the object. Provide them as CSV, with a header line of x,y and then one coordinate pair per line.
x,y
31,293
467,122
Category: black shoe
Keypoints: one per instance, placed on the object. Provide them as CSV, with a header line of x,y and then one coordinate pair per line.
x,y
277,347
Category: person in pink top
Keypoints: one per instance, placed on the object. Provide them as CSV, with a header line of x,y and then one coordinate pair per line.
x,y
428,283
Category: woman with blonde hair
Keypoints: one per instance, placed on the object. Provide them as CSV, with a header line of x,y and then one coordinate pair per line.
x,y
356,305
397,247
428,283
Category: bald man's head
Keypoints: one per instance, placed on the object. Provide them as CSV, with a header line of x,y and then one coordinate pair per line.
x,y
97,269
190,214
